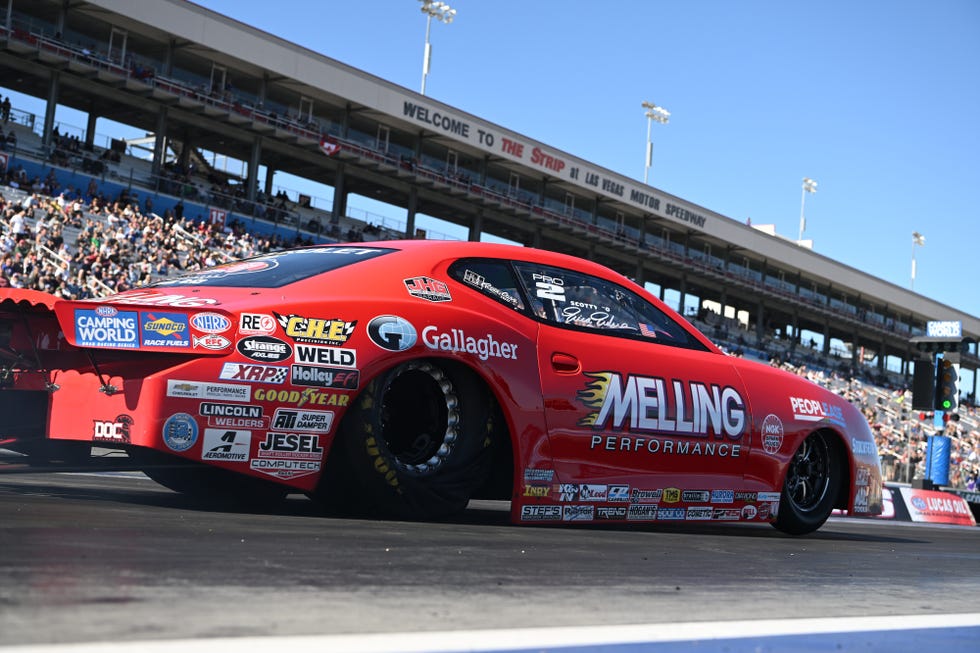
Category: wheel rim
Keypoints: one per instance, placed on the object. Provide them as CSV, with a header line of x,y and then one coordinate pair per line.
x,y
808,478
419,417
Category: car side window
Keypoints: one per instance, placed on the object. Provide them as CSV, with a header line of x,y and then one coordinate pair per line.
x,y
583,302
494,278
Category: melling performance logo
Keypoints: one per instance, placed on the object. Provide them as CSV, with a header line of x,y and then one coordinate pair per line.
x,y
688,409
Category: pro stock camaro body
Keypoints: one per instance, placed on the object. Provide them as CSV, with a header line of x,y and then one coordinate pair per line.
x,y
404,378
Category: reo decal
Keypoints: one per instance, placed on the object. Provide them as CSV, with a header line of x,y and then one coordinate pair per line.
x,y
691,409
256,324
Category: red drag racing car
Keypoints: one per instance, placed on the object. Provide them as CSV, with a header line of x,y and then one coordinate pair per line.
x,y
404,378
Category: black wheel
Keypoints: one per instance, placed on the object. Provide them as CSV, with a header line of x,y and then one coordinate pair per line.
x,y
205,483
418,441
810,488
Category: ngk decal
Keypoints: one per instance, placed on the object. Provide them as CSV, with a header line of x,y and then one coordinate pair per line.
x,y
431,290
772,434
114,431
652,404
256,324
811,410
254,373
226,445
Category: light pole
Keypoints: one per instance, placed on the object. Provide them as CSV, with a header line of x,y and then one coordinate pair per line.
x,y
441,12
662,116
809,186
917,239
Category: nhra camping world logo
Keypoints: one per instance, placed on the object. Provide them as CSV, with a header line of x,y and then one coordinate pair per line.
x,y
315,330
642,403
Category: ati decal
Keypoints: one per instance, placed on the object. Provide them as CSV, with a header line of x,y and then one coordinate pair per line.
x,y
312,421
431,290
114,431
641,403
316,330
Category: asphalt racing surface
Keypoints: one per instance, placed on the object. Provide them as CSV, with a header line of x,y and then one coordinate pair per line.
x,y
88,558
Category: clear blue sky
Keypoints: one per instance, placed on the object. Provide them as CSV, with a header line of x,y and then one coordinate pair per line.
x,y
878,101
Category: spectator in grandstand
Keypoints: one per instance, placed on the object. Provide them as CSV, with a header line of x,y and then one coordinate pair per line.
x,y
5,109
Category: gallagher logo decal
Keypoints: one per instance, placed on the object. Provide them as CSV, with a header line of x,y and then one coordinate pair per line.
x,y
652,404
392,333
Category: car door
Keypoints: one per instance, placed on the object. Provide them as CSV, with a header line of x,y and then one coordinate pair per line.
x,y
628,391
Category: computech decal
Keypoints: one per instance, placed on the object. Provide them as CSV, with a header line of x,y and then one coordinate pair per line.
x,y
431,290
164,330
812,410
316,330
713,414
106,326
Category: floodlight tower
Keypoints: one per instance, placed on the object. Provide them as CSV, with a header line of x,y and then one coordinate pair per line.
x,y
661,115
444,14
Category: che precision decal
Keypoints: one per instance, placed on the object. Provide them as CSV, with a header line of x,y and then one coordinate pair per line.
x,y
685,409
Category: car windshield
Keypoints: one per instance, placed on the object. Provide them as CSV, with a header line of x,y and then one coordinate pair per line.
x,y
277,269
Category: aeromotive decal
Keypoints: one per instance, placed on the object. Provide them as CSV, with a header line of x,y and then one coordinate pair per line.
x,y
641,403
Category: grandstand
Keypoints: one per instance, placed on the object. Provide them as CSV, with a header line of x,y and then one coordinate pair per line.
x,y
296,111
